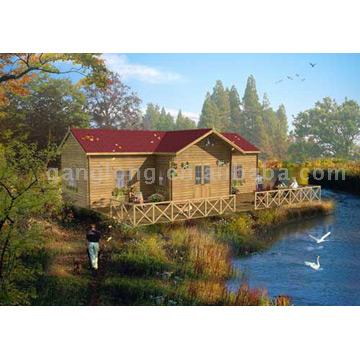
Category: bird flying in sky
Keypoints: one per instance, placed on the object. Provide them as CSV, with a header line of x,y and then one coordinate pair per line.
x,y
312,64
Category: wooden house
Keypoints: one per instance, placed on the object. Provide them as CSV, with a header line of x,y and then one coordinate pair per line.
x,y
179,165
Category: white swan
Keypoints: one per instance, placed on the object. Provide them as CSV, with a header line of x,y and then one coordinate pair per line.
x,y
315,266
322,239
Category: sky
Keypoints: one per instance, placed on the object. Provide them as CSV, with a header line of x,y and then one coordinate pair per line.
x,y
180,81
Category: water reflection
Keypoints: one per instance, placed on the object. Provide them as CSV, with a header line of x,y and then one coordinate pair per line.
x,y
281,268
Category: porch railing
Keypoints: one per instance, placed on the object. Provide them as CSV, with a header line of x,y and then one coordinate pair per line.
x,y
170,211
281,197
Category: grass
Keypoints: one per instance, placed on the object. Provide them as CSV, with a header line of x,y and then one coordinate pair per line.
x,y
247,233
168,264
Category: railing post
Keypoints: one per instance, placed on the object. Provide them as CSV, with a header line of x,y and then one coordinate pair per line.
x,y
134,215
153,213
267,199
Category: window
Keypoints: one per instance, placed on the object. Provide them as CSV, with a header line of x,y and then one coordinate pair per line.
x,y
71,181
238,172
122,178
207,173
198,174
162,177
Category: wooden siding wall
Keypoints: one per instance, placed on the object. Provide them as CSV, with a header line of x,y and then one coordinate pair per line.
x,y
249,163
163,161
74,157
200,154
103,175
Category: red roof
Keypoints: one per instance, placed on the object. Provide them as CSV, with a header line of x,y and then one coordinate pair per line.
x,y
145,141
241,142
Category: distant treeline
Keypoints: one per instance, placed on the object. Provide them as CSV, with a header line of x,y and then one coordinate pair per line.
x,y
46,107
224,110
334,179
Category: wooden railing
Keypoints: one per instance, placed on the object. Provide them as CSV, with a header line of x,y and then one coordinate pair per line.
x,y
170,211
281,197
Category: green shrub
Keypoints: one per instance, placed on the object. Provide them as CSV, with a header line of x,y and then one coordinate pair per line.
x,y
266,218
146,256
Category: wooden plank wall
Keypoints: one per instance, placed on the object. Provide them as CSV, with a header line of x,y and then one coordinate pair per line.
x,y
200,154
74,157
249,163
163,161
103,170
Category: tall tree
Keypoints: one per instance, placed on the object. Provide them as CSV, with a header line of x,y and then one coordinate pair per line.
x,y
209,114
43,116
17,69
183,122
270,124
282,143
220,98
332,129
252,127
235,110
115,106
165,122
151,116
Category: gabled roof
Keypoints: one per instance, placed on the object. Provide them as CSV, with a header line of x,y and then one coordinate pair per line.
x,y
100,141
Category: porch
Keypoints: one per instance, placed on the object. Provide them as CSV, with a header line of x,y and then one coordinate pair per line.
x,y
171,211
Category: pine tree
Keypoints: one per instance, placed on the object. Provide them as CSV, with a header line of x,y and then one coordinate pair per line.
x,y
209,114
183,122
235,110
165,122
252,127
220,97
282,138
270,123
151,116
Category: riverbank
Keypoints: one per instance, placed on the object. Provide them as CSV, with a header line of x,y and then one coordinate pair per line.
x,y
170,264
247,232
336,179
281,268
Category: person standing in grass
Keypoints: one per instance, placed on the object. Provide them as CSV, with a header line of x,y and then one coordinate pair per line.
x,y
93,237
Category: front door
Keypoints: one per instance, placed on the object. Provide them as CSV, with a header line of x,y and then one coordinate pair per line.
x,y
202,181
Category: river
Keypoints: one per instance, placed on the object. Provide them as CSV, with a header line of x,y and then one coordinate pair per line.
x,y
281,269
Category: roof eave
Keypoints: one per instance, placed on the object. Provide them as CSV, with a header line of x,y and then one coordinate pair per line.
x,y
129,153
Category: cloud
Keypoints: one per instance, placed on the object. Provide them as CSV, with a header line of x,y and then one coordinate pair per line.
x,y
120,64
192,115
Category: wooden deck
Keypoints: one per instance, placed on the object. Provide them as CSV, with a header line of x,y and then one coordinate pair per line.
x,y
171,211
283,197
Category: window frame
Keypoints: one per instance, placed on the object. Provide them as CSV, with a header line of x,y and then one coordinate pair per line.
x,y
125,178
206,177
198,179
236,168
162,177
72,179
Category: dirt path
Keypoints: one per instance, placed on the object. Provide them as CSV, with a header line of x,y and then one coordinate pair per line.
x,y
98,278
